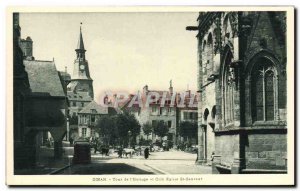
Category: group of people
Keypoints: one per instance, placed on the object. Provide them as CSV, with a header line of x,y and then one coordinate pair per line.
x,y
127,151
104,149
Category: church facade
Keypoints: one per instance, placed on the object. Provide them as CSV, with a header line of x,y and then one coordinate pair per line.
x,y
242,91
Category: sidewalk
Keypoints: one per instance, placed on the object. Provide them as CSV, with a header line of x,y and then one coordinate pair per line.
x,y
46,163
49,165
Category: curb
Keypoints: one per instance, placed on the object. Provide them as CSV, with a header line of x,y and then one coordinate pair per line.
x,y
59,170
156,169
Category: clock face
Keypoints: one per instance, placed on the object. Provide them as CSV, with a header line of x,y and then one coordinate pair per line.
x,y
82,67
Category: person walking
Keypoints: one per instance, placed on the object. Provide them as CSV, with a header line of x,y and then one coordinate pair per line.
x,y
146,153
120,152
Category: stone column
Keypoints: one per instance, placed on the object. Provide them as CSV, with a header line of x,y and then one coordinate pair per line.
x,y
58,133
201,146
218,92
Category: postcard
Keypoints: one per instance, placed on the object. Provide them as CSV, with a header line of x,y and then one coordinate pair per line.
x,y
192,96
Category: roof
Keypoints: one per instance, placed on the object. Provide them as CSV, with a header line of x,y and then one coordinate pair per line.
x,y
114,111
168,97
80,45
79,96
189,97
43,78
65,75
94,107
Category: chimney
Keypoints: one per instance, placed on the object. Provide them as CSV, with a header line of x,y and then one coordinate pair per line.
x,y
171,88
188,93
145,89
26,46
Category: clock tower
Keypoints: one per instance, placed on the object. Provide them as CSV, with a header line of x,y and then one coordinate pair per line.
x,y
81,81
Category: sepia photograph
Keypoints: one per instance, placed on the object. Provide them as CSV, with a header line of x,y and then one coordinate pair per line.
x,y
150,96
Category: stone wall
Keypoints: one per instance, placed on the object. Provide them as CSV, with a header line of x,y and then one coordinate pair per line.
x,y
227,146
266,151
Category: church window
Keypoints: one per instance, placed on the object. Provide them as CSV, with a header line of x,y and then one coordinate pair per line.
x,y
262,92
209,54
228,91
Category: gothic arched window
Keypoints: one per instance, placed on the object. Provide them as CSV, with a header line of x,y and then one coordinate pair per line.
x,y
204,64
209,54
228,91
263,91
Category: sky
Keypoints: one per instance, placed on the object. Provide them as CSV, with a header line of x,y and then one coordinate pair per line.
x,y
125,51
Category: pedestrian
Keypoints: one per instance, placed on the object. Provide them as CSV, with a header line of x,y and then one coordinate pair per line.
x,y
95,145
146,153
120,152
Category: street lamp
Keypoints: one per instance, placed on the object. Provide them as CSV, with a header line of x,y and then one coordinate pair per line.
x,y
129,137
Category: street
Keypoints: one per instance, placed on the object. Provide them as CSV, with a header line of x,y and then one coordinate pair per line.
x,y
169,162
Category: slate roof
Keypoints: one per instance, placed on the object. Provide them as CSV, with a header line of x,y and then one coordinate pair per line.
x,y
94,106
43,78
79,96
65,75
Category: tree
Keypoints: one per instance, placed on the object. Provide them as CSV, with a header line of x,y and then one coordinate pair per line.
x,y
147,129
126,122
161,129
107,129
187,129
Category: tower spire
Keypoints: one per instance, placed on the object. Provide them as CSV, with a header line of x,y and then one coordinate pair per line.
x,y
80,51
80,45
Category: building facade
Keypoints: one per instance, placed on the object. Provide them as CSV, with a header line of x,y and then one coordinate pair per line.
x,y
187,117
242,91
40,102
87,119
155,112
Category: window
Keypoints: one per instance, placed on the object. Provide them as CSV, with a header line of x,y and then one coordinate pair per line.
x,y
84,130
93,118
160,110
74,104
228,91
210,54
169,124
154,109
82,104
185,115
191,115
85,119
196,115
262,92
